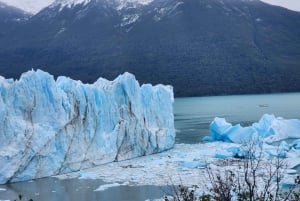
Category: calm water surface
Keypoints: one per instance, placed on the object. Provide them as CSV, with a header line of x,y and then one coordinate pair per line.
x,y
193,115
192,118
53,189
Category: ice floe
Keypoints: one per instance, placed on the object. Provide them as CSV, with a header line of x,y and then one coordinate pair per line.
x,y
185,164
106,186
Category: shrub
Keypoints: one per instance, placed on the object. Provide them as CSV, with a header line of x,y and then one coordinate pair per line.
x,y
252,179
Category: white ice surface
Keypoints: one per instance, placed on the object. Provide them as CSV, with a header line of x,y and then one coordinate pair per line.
x,y
156,169
181,165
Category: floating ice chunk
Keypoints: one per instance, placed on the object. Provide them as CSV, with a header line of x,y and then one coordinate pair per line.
x,y
280,151
291,171
223,131
107,186
263,127
283,149
194,164
268,127
223,154
288,181
285,129
87,175
233,152
293,161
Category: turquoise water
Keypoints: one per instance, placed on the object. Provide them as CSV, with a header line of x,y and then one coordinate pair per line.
x,y
193,115
192,119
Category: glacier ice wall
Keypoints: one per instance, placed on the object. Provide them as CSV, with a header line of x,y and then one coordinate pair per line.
x,y
50,127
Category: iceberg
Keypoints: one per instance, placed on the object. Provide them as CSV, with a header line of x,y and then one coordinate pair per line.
x,y
223,131
269,127
50,127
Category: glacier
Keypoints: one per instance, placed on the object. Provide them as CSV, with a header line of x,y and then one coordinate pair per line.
x,y
50,127
269,127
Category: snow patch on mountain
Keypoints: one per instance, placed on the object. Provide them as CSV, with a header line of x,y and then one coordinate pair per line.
x,y
129,19
122,4
169,10
69,3
118,4
34,6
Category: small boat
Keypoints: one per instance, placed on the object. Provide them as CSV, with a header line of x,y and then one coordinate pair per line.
x,y
263,105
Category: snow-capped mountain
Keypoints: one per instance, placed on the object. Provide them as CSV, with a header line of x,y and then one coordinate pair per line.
x,y
69,3
117,4
124,13
121,4
34,6
201,47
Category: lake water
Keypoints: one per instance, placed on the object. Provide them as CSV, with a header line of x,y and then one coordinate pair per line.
x,y
193,115
192,119
53,189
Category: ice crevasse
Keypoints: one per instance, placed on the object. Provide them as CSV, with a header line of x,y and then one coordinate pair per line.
x,y
50,127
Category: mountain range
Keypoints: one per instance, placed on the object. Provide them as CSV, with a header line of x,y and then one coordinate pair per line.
x,y
201,47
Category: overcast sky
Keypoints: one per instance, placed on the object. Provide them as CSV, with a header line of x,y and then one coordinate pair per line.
x,y
34,6
290,4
